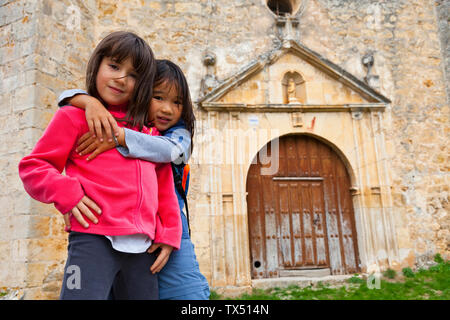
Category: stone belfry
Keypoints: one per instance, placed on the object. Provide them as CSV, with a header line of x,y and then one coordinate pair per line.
x,y
288,17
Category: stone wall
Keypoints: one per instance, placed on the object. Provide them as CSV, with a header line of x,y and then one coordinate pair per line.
x,y
45,45
404,38
18,22
443,16
38,51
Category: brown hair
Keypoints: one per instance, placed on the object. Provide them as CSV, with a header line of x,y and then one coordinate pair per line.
x,y
168,72
121,45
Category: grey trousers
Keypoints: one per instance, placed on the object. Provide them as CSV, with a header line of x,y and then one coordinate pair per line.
x,y
93,266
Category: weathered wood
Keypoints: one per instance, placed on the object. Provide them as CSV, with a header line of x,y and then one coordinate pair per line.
x,y
302,216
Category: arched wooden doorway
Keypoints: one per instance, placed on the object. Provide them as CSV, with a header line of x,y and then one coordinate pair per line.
x,y
301,218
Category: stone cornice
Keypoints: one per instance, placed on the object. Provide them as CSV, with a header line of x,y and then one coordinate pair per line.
x,y
244,107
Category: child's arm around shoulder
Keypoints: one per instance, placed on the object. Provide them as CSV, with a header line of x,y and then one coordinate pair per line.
x,y
66,96
97,116
174,145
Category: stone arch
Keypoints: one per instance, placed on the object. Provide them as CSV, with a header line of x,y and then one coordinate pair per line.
x,y
302,216
333,146
339,153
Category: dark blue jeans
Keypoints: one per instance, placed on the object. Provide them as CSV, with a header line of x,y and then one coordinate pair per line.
x,y
93,266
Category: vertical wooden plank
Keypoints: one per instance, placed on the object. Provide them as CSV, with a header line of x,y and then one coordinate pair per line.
x,y
319,223
256,218
292,165
333,244
348,220
312,187
284,221
351,265
283,165
313,152
271,233
307,225
302,202
338,213
324,155
271,244
304,165
334,247
296,236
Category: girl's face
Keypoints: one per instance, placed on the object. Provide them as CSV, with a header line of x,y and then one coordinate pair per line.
x,y
115,81
165,107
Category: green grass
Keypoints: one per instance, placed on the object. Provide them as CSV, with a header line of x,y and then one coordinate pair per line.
x,y
430,284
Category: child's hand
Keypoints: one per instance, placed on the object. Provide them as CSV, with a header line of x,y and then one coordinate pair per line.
x,y
88,143
163,256
98,119
67,221
82,208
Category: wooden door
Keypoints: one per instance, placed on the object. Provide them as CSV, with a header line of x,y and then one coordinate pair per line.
x,y
303,240
302,216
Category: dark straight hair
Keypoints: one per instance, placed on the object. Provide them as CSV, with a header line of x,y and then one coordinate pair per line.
x,y
119,46
171,74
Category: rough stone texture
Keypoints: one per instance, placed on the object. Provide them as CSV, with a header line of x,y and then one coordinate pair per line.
x,y
405,38
37,51
43,50
443,15
18,24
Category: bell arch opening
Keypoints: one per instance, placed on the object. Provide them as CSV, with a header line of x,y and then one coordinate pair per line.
x,y
284,7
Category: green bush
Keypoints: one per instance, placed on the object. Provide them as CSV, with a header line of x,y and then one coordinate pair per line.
x,y
390,274
438,258
213,295
407,272
355,279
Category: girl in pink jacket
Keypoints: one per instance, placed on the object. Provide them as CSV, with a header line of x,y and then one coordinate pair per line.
x,y
137,198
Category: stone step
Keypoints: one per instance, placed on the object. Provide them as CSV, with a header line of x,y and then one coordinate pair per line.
x,y
305,272
301,281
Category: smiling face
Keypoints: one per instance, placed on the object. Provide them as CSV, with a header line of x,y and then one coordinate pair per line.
x,y
166,106
115,81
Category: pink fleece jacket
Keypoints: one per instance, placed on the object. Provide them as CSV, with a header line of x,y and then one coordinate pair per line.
x,y
135,196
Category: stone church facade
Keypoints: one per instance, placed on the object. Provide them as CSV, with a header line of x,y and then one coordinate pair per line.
x,y
322,130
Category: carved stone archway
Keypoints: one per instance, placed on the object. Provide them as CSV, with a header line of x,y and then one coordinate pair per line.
x,y
339,108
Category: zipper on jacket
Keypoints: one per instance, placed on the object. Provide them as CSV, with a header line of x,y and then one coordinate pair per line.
x,y
140,191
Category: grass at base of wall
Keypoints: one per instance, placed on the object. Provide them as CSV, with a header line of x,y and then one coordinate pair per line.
x,y
424,284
